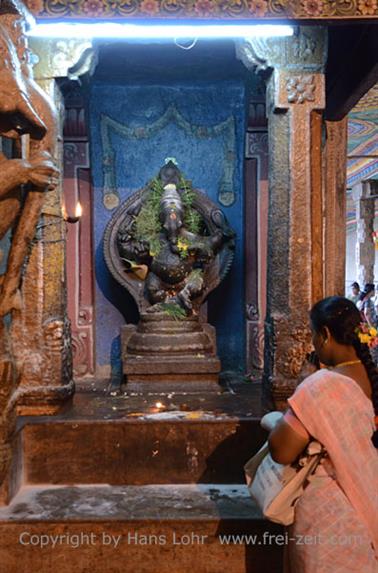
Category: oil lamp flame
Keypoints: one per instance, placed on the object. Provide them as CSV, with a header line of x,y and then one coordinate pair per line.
x,y
76,217
78,210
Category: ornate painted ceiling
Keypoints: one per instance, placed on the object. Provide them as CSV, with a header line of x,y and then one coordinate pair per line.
x,y
362,148
363,139
206,9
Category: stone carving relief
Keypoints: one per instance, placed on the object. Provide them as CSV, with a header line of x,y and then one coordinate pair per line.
x,y
305,49
26,118
257,144
256,346
82,344
57,341
300,89
252,312
70,58
231,10
297,343
24,109
300,345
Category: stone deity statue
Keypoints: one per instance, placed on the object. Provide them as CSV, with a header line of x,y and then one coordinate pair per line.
x,y
169,246
175,259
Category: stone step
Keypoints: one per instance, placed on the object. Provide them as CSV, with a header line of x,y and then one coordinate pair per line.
x,y
134,452
121,441
201,528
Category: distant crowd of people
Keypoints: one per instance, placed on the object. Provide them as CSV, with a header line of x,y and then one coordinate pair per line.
x,y
366,302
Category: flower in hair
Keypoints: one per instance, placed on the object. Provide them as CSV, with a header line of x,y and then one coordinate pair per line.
x,y
367,335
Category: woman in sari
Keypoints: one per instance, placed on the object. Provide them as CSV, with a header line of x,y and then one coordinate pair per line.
x,y
336,518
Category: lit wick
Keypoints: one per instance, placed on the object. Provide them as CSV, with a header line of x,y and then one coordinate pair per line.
x,y
76,217
158,407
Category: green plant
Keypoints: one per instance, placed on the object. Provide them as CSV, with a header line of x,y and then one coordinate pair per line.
x,y
147,223
192,219
173,309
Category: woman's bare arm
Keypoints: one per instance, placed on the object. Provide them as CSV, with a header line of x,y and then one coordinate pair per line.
x,y
285,444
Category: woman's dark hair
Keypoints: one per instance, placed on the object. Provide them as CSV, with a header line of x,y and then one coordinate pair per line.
x,y
369,287
342,317
355,285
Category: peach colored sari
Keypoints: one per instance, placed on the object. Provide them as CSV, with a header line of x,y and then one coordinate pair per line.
x,y
336,519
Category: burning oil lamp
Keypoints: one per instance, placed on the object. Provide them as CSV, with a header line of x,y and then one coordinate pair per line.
x,y
158,407
76,217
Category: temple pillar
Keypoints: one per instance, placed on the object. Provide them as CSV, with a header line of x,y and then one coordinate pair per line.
x,y
41,331
295,98
334,183
365,253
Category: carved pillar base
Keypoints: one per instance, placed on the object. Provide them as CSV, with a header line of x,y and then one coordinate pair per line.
x,y
286,345
8,385
168,351
41,345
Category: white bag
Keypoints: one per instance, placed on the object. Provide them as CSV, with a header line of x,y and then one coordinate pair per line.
x,y
275,487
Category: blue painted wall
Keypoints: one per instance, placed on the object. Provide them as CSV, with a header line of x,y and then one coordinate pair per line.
x,y
138,160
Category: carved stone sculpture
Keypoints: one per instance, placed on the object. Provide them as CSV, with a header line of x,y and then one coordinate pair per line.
x,y
169,246
24,109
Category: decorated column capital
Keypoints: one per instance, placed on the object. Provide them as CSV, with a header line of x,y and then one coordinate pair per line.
x,y
306,51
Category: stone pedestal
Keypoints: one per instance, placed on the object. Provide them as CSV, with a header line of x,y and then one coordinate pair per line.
x,y
163,350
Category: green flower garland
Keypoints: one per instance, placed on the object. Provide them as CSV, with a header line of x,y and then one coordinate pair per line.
x,y
147,223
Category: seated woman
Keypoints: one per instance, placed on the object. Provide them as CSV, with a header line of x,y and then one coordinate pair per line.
x,y
336,518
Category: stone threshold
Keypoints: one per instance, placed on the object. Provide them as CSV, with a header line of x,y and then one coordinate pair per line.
x,y
177,502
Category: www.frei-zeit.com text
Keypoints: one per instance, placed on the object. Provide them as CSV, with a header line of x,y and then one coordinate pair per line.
x,y
83,538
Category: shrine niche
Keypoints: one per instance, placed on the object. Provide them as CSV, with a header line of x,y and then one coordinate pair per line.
x,y
169,246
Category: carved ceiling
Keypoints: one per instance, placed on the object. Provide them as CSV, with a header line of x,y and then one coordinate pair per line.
x,y
363,139
362,142
206,9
